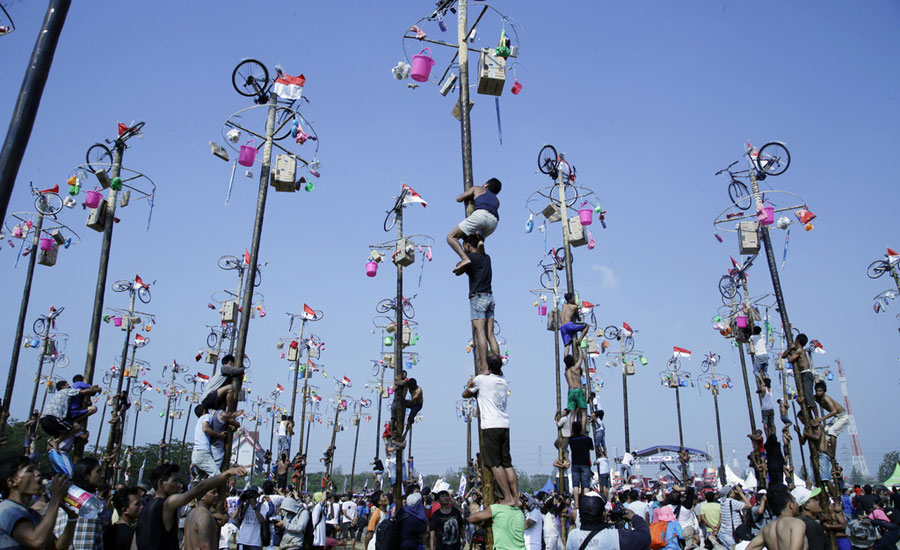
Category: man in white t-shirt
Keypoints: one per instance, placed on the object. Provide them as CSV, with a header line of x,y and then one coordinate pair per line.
x,y
285,431
760,352
634,503
201,456
625,466
766,402
492,391
348,517
534,525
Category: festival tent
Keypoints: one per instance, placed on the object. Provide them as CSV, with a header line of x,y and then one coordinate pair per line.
x,y
547,488
750,482
732,478
895,477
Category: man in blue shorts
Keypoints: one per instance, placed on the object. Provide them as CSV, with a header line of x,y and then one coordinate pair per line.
x,y
571,326
481,302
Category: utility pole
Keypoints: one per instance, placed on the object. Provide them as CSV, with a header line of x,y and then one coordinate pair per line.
x,y
330,451
111,442
190,379
380,392
43,353
355,419
25,111
176,368
247,296
23,312
714,385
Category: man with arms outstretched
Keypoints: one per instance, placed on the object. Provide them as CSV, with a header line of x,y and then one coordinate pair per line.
x,y
492,390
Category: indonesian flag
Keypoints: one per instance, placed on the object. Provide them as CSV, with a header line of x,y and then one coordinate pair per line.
x,y
626,329
364,402
122,128
138,283
139,340
817,347
246,256
586,307
734,263
279,387
680,352
289,87
893,256
345,381
202,376
317,397
308,312
412,196
148,384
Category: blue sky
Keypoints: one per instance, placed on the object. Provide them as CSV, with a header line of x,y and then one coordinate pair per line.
x,y
648,99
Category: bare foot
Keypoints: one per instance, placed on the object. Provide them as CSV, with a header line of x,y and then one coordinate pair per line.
x,y
53,443
461,267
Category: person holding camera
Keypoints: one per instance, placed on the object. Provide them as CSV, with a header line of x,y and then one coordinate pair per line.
x,y
598,531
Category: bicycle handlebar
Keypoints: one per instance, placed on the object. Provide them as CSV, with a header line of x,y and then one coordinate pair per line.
x,y
726,168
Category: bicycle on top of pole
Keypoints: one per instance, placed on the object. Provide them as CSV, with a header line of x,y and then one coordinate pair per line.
x,y
772,159
250,78
99,156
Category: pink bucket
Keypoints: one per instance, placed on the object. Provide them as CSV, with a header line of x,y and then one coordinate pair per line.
x,y
248,154
766,216
542,310
371,269
586,215
93,198
46,244
117,321
421,66
741,321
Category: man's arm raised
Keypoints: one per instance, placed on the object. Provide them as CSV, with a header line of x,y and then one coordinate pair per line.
x,y
174,502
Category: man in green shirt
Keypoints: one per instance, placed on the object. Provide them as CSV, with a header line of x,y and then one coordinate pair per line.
x,y
507,522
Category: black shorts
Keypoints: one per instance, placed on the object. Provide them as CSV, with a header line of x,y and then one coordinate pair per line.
x,y
209,402
496,448
281,480
55,426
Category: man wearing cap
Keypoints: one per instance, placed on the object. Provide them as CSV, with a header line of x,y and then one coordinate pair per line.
x,y
733,501
809,514
601,534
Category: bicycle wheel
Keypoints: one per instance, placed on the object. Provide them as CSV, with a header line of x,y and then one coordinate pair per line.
x,y
727,288
629,343
773,159
547,279
376,368
739,194
144,294
673,364
131,132
877,268
390,220
62,361
48,204
283,118
704,365
496,328
384,305
122,286
98,157
547,159
212,339
39,325
560,255
249,78
246,361
257,279
611,332
408,309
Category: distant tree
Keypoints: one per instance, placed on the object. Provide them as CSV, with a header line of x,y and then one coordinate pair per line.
x,y
888,462
856,477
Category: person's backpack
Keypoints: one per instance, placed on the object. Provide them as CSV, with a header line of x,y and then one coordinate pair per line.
x,y
743,531
387,534
658,535
309,532
863,532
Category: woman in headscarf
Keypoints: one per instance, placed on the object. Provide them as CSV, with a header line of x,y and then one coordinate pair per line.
x,y
413,522
673,528
318,519
380,502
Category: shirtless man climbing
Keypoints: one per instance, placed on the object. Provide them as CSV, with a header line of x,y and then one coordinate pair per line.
x,y
577,401
834,410
796,356
570,325
413,405
787,532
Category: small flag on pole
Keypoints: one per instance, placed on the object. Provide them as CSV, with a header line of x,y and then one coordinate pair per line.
x,y
308,312
626,329
289,87
817,347
141,472
202,376
139,340
412,197
893,256
345,381
462,485
680,352
246,257
279,387
138,283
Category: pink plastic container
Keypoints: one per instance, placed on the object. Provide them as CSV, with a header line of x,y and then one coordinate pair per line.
x,y
741,321
586,215
92,199
46,244
542,310
421,66
371,269
247,154
767,216
516,87
117,321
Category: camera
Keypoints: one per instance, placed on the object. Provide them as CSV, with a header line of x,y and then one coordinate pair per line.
x,y
617,513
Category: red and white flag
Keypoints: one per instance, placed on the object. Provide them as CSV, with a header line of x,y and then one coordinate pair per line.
x,y
626,329
681,352
138,283
317,397
345,381
139,340
289,87
308,312
202,376
893,256
586,307
246,257
817,347
412,196
279,387
364,402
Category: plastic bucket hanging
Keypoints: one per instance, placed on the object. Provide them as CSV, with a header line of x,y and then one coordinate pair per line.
x,y
371,268
741,321
46,244
421,66
117,321
92,199
388,340
542,310
766,216
247,154
586,214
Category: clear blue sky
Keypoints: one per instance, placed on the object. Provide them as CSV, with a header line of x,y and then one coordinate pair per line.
x,y
648,99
